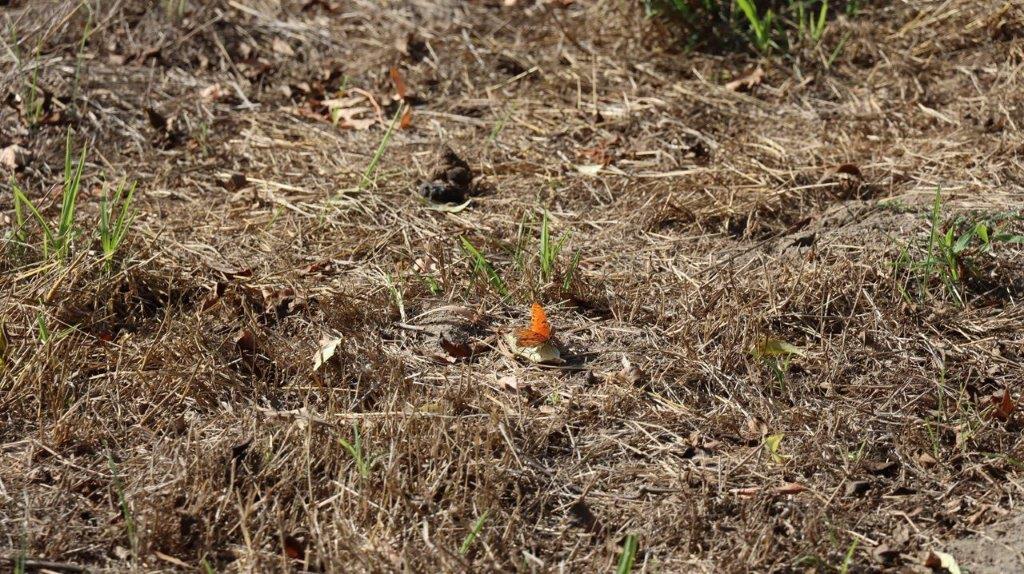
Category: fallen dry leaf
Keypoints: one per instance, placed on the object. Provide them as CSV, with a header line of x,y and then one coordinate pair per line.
x,y
784,489
396,78
850,169
747,81
511,382
245,341
937,560
282,47
236,182
1003,405
294,548
213,93
347,113
328,347
457,349
172,560
14,157
789,488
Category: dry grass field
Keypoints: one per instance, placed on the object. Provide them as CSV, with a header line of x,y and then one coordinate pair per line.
x,y
785,288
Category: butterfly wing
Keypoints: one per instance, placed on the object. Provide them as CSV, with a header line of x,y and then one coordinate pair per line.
x,y
539,331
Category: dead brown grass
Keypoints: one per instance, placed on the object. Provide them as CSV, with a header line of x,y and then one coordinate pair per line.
x,y
183,382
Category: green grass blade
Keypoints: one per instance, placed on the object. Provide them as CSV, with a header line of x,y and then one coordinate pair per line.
x,y
570,273
628,555
377,155
819,29
467,542
23,199
483,266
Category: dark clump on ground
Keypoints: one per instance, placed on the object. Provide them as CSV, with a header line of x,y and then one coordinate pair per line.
x,y
788,286
451,181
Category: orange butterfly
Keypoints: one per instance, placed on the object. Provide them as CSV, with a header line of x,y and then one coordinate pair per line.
x,y
540,330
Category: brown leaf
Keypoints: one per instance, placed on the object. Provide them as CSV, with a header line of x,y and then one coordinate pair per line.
x,y
406,120
885,468
511,382
231,272
857,487
747,81
236,182
789,488
318,267
457,349
245,341
942,561
850,169
396,79
784,489
294,548
746,492
1003,405
157,120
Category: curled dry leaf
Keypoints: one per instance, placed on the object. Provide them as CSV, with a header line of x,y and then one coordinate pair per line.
x,y
14,157
1003,405
784,489
396,78
282,47
213,93
747,81
236,182
294,548
777,348
630,373
789,488
942,561
446,208
348,113
857,488
457,349
245,341
510,382
850,169
328,347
